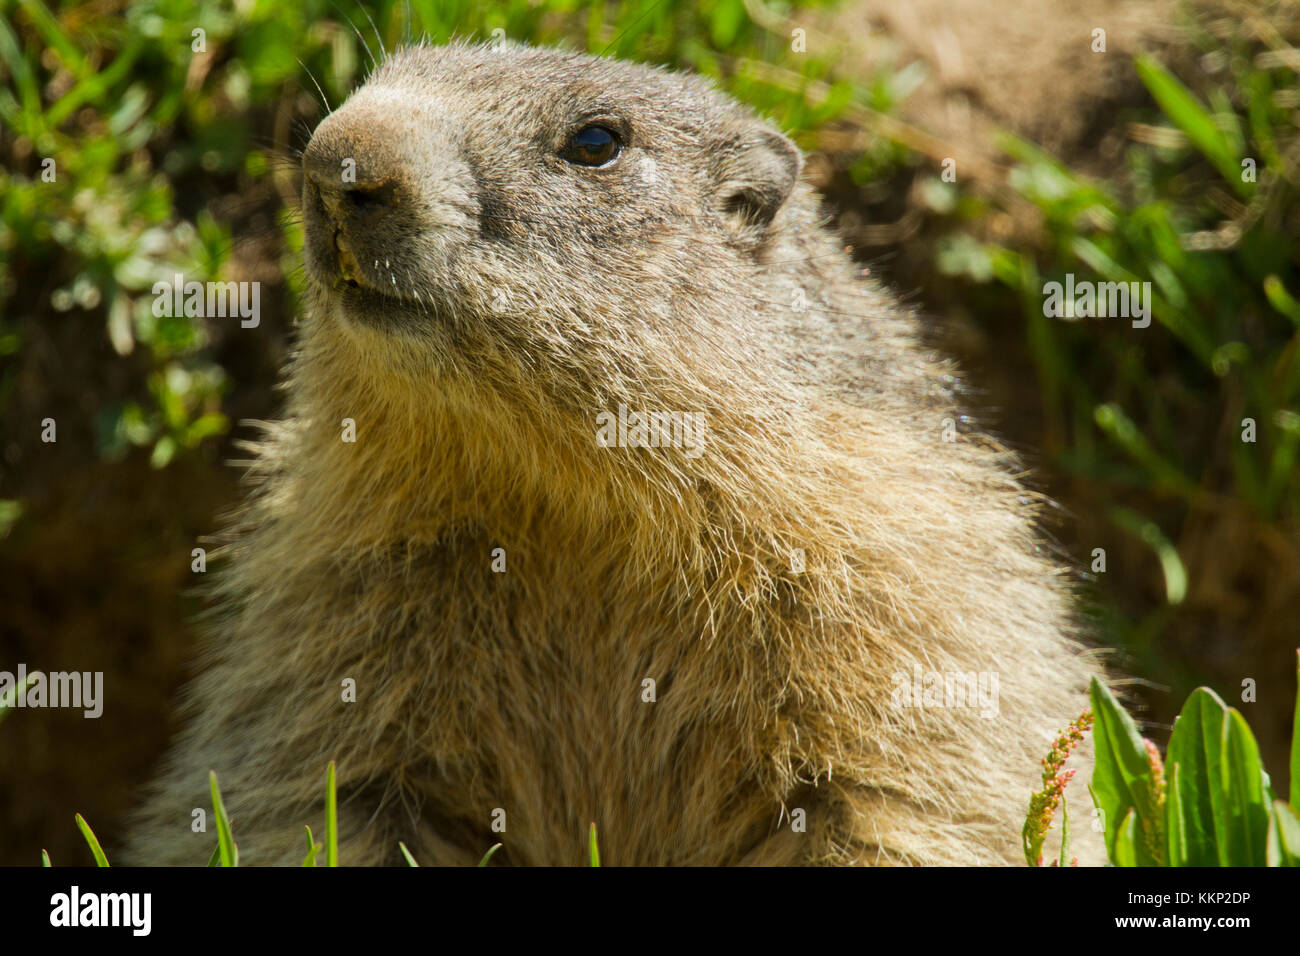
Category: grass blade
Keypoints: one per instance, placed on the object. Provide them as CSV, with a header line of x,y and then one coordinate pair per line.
x,y
55,36
1188,114
312,849
410,860
225,838
593,850
331,819
11,696
488,855
1295,741
20,71
95,849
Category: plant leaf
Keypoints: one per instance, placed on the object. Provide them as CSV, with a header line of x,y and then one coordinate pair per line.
x,y
11,696
1121,779
1283,836
1193,757
1176,853
1127,842
1188,114
225,838
1295,741
312,848
1222,790
95,849
410,860
331,819
1246,797
488,855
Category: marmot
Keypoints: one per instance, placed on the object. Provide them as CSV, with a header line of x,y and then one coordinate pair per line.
x,y
624,497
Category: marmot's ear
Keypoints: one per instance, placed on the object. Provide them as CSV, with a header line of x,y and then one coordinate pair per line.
x,y
756,172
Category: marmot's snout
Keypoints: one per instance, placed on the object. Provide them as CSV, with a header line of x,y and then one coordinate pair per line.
x,y
371,218
354,198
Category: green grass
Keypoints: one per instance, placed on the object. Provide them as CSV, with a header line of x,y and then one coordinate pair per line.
x,y
92,841
8,699
1179,440
226,852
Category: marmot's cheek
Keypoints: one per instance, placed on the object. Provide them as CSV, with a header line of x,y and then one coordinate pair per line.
x,y
318,254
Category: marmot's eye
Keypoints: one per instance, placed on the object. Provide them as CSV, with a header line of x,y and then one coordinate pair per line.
x,y
592,146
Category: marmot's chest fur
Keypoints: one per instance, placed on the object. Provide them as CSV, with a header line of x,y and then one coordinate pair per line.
x,y
619,495
556,712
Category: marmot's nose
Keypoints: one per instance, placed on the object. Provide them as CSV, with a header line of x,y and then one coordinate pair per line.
x,y
352,192
352,185
343,199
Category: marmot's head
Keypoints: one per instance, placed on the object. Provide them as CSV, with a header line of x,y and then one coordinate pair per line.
x,y
500,212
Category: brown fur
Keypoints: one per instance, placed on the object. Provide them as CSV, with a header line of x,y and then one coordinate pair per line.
x,y
668,282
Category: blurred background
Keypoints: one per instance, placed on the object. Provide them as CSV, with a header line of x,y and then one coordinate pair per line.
x,y
1144,140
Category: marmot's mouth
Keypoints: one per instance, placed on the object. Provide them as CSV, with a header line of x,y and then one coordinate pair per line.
x,y
372,307
367,306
